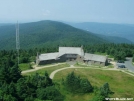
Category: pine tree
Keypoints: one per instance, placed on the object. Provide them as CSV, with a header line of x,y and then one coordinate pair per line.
x,y
15,73
86,87
105,90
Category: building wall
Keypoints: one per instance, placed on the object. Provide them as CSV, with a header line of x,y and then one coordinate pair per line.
x,y
63,58
71,57
91,62
79,58
48,62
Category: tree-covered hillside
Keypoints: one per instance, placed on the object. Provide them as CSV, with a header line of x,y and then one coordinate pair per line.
x,y
45,33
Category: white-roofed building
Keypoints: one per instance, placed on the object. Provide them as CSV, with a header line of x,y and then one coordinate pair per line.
x,y
48,56
71,54
64,54
95,59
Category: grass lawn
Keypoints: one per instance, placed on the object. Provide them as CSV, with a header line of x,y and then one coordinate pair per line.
x,y
120,83
48,69
24,66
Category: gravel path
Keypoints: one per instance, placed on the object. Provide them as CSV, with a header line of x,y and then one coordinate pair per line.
x,y
114,69
37,68
54,72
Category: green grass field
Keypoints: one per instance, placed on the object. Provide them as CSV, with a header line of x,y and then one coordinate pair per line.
x,y
24,66
48,69
120,83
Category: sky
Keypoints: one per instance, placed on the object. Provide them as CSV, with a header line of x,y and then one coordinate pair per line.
x,y
106,11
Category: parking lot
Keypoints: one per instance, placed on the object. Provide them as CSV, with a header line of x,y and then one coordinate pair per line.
x,y
129,65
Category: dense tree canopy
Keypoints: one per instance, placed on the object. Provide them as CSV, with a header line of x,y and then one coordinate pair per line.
x,y
75,84
15,87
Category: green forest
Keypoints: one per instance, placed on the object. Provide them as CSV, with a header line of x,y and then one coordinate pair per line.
x,y
45,33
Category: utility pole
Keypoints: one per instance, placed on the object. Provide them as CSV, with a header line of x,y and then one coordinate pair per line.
x,y
17,40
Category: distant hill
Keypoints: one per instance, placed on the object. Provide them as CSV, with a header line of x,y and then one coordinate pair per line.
x,y
4,24
45,34
125,31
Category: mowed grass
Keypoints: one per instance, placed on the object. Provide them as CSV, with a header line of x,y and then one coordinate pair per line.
x,y
24,66
48,69
120,83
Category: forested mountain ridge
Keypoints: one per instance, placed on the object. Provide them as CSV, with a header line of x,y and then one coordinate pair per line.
x,y
46,33
120,30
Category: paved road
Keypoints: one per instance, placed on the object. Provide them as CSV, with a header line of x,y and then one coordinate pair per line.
x,y
129,65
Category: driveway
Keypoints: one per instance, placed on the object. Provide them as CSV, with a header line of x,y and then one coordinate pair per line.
x,y
128,64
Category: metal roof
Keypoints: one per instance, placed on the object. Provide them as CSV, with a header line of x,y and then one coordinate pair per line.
x,y
71,50
48,56
95,57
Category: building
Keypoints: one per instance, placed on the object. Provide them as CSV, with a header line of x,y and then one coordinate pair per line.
x,y
75,54
95,59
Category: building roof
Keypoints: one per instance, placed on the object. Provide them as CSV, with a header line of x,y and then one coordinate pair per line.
x,y
71,50
95,57
48,56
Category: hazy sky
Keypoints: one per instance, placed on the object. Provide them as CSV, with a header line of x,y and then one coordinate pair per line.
x,y
113,11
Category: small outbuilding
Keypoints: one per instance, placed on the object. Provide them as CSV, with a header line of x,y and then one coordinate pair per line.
x,y
95,59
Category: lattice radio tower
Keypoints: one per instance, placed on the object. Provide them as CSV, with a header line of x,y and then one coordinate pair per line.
x,y
17,40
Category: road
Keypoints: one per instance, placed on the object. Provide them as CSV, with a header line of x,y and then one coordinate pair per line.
x,y
129,65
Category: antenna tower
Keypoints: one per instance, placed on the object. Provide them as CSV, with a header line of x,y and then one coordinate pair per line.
x,y
17,40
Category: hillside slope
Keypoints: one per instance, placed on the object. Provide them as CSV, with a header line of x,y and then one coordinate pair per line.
x,y
124,31
115,39
46,33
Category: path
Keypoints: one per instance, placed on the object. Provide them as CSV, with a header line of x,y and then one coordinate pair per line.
x,y
37,68
114,64
54,72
